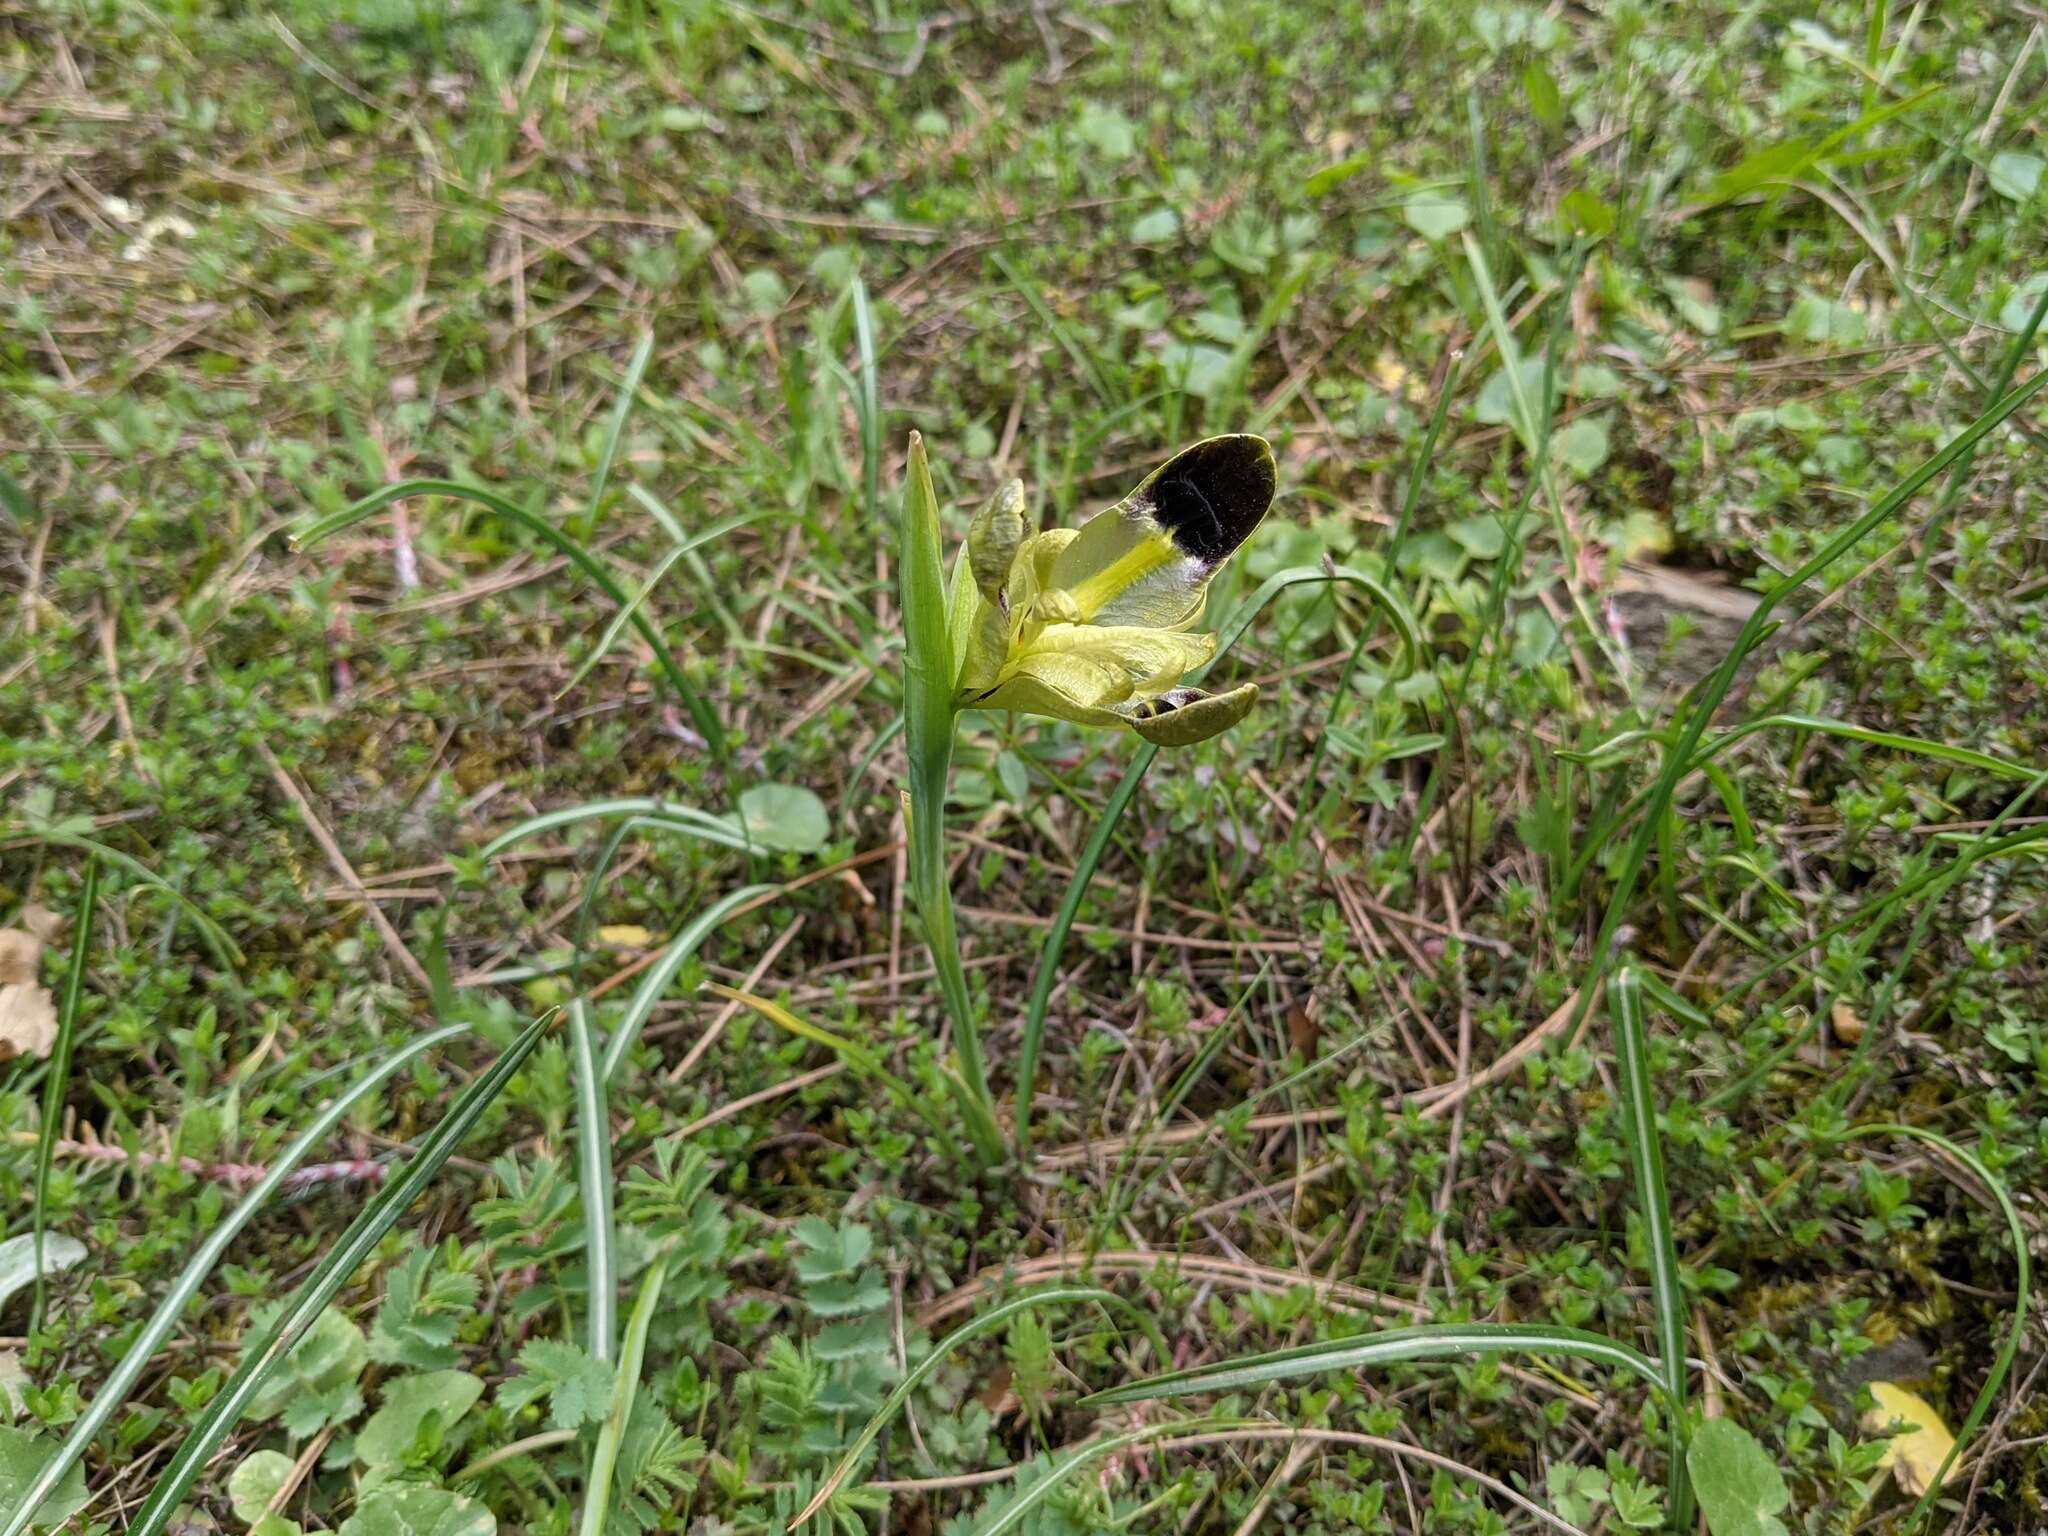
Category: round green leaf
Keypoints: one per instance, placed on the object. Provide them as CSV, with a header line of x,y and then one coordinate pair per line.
x,y
1740,1488
2016,174
1434,216
401,1510
21,1459
393,1428
253,1484
786,817
1582,446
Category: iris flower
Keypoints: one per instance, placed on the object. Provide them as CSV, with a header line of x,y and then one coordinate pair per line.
x,y
1095,624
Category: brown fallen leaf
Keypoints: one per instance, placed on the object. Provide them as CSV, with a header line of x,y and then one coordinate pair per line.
x,y
28,1021
21,949
1304,1033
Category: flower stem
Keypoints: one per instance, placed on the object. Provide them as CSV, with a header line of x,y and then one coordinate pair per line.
x,y
928,678
933,894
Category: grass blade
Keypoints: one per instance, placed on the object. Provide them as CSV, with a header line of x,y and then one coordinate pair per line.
x,y
1959,476
594,1177
868,405
663,971
1653,1200
60,1071
225,950
586,562
112,1392
1426,1341
680,550
670,813
604,1460
326,1281
852,1052
1228,1431
622,411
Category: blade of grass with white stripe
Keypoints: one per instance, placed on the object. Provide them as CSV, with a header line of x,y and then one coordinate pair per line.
x,y
328,1277
1653,1200
1033,1041
663,971
680,550
988,1322
604,1458
867,404
667,813
594,1185
59,1071
1391,1346
1196,1432
584,560
615,428
929,722
136,1359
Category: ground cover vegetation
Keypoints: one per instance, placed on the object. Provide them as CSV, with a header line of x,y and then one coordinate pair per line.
x,y
569,962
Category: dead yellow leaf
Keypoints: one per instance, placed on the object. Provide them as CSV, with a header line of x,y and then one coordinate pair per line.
x,y
625,936
1915,1455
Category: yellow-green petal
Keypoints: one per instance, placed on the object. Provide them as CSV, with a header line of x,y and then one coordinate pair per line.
x,y
1064,687
1154,660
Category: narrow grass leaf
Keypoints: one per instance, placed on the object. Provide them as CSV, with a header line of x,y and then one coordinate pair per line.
x,y
627,613
1653,1202
1428,1341
594,1180
604,1458
682,818
663,971
868,404
852,1052
59,1076
225,950
615,429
